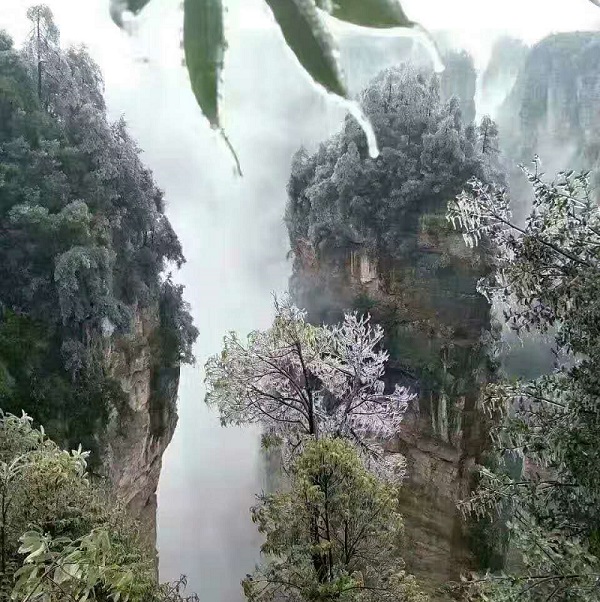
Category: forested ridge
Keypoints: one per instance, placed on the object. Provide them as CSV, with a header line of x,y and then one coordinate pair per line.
x,y
85,245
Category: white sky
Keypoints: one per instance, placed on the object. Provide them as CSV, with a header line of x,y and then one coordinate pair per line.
x,y
88,21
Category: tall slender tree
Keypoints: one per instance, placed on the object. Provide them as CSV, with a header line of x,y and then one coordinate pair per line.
x,y
42,48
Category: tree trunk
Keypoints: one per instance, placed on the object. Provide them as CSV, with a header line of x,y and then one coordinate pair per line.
x,y
39,57
3,535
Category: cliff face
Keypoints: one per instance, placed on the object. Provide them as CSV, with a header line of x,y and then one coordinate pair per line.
x,y
139,431
433,320
552,109
459,80
501,72
371,235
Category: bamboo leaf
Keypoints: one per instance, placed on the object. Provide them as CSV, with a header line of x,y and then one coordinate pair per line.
x,y
308,38
204,46
368,13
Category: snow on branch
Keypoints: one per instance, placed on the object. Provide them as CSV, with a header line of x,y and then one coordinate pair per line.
x,y
299,381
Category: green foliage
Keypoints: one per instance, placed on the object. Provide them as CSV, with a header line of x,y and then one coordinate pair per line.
x,y
35,376
84,241
177,333
368,13
62,537
334,535
547,278
310,41
204,45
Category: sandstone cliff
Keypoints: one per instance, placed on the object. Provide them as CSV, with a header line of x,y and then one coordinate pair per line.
x,y
371,235
434,320
139,431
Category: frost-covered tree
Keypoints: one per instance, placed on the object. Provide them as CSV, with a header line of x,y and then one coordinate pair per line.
x,y
42,50
302,381
334,534
487,134
339,196
547,277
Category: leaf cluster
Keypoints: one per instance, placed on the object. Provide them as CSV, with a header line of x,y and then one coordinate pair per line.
x,y
546,277
62,536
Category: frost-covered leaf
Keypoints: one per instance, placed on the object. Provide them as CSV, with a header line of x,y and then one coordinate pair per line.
x,y
308,38
204,46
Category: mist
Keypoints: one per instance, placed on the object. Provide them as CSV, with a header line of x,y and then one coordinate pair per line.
x,y
232,228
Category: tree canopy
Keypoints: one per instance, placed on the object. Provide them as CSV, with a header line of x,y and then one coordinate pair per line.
x,y
84,240
546,277
335,534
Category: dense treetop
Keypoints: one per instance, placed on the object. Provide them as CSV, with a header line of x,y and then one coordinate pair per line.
x,y
84,240
339,196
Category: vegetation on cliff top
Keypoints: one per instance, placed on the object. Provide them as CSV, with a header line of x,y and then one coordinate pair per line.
x,y
345,208
340,197
84,240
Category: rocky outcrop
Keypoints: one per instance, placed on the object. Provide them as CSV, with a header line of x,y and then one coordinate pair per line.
x,y
371,235
434,320
496,82
140,428
459,80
